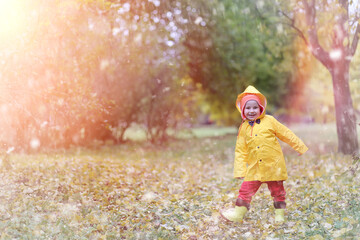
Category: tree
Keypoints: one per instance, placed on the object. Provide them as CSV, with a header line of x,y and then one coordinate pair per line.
x,y
332,35
147,64
232,47
92,71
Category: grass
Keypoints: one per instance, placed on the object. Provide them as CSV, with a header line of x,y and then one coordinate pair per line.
x,y
136,133
139,191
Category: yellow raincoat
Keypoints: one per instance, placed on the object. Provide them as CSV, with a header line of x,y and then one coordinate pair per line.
x,y
258,155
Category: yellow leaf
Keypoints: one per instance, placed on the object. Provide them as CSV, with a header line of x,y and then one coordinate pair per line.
x,y
78,217
100,227
349,220
341,232
316,237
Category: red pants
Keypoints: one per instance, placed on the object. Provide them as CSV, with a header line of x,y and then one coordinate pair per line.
x,y
249,188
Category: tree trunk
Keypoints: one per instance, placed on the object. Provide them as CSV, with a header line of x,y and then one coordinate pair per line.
x,y
337,61
344,110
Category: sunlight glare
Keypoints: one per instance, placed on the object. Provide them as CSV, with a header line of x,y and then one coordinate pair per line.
x,y
12,17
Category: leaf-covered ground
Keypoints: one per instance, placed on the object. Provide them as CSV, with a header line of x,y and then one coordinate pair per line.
x,y
176,192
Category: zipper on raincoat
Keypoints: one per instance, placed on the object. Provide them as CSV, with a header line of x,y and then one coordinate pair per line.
x,y
252,127
240,127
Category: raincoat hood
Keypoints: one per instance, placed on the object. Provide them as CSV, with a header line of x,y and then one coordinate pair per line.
x,y
250,90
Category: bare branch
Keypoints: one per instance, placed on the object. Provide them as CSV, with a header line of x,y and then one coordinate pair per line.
x,y
292,24
355,40
354,20
316,49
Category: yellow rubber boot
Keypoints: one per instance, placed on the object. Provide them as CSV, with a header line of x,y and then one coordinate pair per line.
x,y
279,216
234,214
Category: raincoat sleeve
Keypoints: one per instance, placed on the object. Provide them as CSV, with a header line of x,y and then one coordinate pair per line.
x,y
241,157
287,136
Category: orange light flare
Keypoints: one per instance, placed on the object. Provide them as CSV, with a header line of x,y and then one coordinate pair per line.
x,y
16,21
296,99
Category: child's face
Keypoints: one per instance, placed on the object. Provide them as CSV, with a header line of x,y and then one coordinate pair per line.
x,y
252,110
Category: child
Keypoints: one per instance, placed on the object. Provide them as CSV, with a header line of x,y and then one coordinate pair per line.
x,y
258,155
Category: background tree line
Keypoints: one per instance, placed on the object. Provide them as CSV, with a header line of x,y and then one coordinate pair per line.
x,y
81,71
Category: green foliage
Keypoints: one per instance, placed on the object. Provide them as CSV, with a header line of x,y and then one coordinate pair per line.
x,y
239,46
